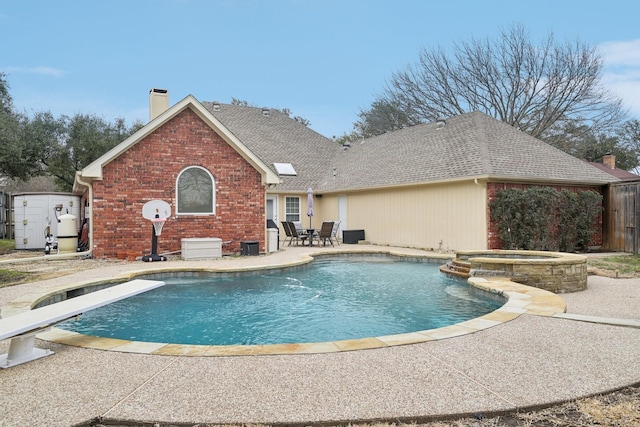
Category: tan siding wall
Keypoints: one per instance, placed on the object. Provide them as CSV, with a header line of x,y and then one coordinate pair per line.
x,y
325,208
440,217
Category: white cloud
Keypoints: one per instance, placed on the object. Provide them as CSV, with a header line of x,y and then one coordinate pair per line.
x,y
41,70
621,53
622,71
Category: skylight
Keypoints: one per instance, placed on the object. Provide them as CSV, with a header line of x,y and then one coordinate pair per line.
x,y
285,169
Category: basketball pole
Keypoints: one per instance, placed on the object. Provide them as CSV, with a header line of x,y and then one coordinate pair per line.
x,y
154,247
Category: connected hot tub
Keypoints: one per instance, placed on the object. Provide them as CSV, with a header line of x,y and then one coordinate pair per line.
x,y
556,272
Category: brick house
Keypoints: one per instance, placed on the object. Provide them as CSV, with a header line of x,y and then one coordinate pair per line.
x,y
186,139
426,186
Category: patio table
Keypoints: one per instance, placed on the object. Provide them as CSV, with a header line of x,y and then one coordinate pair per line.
x,y
311,232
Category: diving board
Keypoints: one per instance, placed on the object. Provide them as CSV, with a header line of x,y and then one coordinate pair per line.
x,y
23,327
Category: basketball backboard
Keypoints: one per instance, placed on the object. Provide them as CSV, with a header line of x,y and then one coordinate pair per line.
x,y
156,207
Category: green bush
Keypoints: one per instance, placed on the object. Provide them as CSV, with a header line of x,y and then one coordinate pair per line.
x,y
542,218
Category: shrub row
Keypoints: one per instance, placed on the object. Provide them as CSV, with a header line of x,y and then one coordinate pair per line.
x,y
542,218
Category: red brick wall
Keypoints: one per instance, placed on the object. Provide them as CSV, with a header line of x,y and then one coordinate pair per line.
x,y
493,234
149,170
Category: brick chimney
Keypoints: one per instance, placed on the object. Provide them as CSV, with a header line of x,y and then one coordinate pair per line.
x,y
158,102
609,160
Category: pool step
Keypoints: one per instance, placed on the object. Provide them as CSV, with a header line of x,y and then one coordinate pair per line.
x,y
457,267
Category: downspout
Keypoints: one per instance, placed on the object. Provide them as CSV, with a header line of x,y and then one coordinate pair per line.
x,y
86,253
89,186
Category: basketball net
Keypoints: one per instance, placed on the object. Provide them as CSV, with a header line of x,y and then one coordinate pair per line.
x,y
158,223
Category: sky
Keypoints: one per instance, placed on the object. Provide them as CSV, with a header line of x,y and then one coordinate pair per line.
x,y
325,60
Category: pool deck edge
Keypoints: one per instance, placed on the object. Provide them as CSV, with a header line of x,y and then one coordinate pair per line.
x,y
521,299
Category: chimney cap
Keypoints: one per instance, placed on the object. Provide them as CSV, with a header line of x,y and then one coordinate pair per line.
x,y
158,102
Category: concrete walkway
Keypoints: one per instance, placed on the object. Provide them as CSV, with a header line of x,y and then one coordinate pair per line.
x,y
530,361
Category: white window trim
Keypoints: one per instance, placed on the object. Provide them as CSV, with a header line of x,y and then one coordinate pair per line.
x,y
213,185
299,208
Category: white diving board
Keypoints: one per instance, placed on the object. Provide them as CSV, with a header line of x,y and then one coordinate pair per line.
x,y
23,327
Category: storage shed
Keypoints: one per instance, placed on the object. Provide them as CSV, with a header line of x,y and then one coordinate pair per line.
x,y
34,212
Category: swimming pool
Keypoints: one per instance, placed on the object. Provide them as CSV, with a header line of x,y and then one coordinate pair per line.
x,y
327,300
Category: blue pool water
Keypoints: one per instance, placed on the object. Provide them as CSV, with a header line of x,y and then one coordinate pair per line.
x,y
331,299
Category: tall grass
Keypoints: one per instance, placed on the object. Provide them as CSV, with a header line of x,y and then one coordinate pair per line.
x,y
6,246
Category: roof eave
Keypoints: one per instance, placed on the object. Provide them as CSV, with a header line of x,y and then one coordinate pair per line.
x,y
475,178
402,185
551,181
94,170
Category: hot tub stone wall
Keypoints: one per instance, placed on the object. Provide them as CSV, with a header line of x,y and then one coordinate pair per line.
x,y
552,271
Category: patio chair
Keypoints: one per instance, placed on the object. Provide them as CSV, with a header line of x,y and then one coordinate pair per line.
x,y
326,231
297,235
334,232
298,226
287,232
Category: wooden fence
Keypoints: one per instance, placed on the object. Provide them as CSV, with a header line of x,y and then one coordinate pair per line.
x,y
621,220
6,216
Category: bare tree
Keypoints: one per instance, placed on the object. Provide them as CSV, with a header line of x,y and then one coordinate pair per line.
x,y
384,116
531,87
629,134
299,119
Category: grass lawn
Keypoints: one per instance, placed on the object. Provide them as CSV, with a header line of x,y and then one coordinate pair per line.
x,y
624,265
11,277
7,246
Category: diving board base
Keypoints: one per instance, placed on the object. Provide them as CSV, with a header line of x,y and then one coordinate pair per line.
x,y
22,350
23,327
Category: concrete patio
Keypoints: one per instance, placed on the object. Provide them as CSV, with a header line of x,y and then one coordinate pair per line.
x,y
529,361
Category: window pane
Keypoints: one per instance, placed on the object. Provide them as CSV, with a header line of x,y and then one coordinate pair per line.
x,y
292,208
195,191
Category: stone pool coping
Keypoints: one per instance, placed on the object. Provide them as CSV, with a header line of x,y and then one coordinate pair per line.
x,y
521,299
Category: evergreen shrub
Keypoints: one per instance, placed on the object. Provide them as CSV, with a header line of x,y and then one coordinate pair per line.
x,y
545,219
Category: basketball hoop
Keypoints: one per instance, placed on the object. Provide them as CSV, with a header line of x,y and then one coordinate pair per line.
x,y
156,211
158,223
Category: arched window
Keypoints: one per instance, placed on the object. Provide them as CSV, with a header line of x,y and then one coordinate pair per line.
x,y
195,192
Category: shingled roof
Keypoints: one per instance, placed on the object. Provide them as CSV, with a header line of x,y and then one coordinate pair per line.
x,y
621,174
471,145
468,146
276,138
